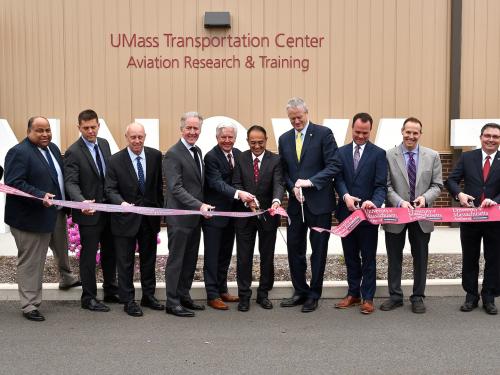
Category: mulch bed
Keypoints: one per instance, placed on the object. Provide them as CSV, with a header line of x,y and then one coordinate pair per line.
x,y
440,267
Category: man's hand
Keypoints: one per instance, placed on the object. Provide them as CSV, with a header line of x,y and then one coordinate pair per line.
x,y
351,202
47,199
419,202
488,203
368,205
298,196
205,209
303,183
275,205
406,204
466,200
88,211
126,204
245,196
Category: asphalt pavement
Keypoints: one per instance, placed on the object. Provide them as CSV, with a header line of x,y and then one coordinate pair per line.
x,y
278,341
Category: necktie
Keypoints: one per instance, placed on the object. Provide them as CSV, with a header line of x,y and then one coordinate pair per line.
x,y
140,174
196,159
256,170
357,156
99,162
53,171
230,160
486,170
298,145
412,175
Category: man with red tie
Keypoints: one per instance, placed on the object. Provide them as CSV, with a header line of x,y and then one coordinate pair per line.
x,y
480,172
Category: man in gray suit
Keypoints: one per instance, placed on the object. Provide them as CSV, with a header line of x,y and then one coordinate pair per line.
x,y
414,180
185,173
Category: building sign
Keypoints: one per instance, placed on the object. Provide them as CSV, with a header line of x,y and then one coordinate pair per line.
x,y
263,60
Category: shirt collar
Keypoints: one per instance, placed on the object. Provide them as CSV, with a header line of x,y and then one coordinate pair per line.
x,y
303,131
188,146
492,156
134,156
258,157
89,144
405,150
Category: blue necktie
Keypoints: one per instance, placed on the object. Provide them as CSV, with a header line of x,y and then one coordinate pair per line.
x,y
99,162
412,175
140,174
53,171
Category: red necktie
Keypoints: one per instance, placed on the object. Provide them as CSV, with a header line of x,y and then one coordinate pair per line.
x,y
256,170
486,170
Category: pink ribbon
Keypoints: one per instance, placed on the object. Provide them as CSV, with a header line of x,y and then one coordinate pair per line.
x,y
405,215
149,211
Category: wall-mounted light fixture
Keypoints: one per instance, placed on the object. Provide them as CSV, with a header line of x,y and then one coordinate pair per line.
x,y
217,20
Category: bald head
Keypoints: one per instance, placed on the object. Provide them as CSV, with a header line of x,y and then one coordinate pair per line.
x,y
135,136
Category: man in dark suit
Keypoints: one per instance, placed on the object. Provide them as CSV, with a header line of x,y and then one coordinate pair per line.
x,y
185,174
307,152
35,167
85,164
259,172
218,232
480,172
414,180
360,184
133,177
1,172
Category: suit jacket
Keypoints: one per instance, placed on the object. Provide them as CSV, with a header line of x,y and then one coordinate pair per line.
x,y
317,163
218,189
269,187
184,184
1,172
429,182
368,182
122,185
470,169
27,169
81,177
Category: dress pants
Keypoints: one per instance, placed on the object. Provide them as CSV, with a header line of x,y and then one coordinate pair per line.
x,y
31,253
183,246
245,244
125,260
361,271
91,236
59,246
470,237
419,242
297,246
219,244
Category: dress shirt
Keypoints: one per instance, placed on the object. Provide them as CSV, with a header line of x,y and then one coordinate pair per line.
x,y
60,177
91,147
133,157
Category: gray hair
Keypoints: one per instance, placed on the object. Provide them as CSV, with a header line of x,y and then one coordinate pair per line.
x,y
224,125
297,102
187,115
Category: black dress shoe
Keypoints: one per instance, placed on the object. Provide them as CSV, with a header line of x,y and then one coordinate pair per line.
x,y
418,306
111,298
244,305
490,308
94,305
310,305
468,306
191,305
292,301
74,285
152,303
389,305
179,311
34,315
265,303
132,309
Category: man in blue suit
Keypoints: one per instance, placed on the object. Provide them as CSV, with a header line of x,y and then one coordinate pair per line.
x,y
35,167
218,232
361,184
307,152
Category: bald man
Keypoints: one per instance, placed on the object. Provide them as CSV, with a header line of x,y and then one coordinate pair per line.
x,y
134,177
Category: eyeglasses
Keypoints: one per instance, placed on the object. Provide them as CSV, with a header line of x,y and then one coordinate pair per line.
x,y
490,136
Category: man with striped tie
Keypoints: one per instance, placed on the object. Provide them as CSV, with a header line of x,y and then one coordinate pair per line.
x,y
414,180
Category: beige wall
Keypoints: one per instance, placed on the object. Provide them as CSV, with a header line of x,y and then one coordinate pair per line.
x,y
386,57
480,77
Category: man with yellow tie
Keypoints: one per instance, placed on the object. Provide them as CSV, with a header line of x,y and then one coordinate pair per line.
x,y
307,154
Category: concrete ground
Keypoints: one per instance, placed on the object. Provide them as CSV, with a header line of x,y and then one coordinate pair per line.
x,y
278,341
